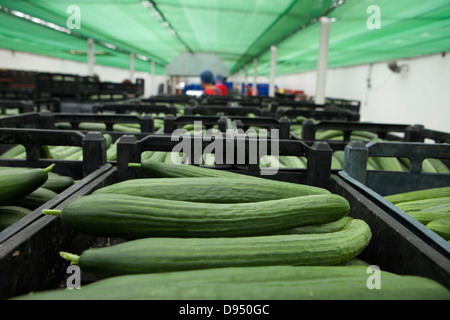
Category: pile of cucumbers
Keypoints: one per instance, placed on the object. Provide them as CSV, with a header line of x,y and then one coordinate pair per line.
x,y
431,207
23,190
199,233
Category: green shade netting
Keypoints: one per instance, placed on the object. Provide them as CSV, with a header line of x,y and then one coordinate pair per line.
x,y
408,29
237,31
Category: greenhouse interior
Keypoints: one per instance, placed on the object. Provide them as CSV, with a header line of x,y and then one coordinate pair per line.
x,y
193,150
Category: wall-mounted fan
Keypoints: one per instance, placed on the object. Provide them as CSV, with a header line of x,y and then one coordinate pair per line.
x,y
394,67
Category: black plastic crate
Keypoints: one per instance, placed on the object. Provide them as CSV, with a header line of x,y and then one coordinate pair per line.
x,y
375,185
236,151
327,113
93,144
257,101
29,258
135,89
123,108
50,105
350,104
393,247
171,99
385,131
58,85
94,157
226,110
283,125
50,121
23,106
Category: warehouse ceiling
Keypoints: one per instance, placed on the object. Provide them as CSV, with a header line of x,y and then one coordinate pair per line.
x,y
362,31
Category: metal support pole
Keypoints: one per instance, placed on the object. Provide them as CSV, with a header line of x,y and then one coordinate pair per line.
x,y
246,80
273,64
91,56
322,60
255,77
153,81
132,67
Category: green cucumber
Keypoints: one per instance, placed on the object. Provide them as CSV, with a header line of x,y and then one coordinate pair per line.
x,y
428,167
139,217
17,183
253,283
336,164
159,169
419,195
321,228
441,227
16,150
127,128
427,216
211,190
270,161
111,153
438,165
11,214
388,164
92,126
355,262
65,153
152,255
292,162
36,199
422,205
158,156
146,155
58,183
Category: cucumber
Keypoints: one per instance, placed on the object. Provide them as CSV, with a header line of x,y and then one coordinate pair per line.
x,y
438,165
427,216
158,156
336,164
36,199
92,126
292,162
146,155
422,205
58,183
111,153
441,227
328,134
355,262
65,152
13,152
127,128
11,214
159,169
321,228
17,183
269,161
139,217
248,283
428,167
211,190
152,255
388,164
419,195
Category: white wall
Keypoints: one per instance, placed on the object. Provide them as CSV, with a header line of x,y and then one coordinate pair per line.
x,y
419,96
32,62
